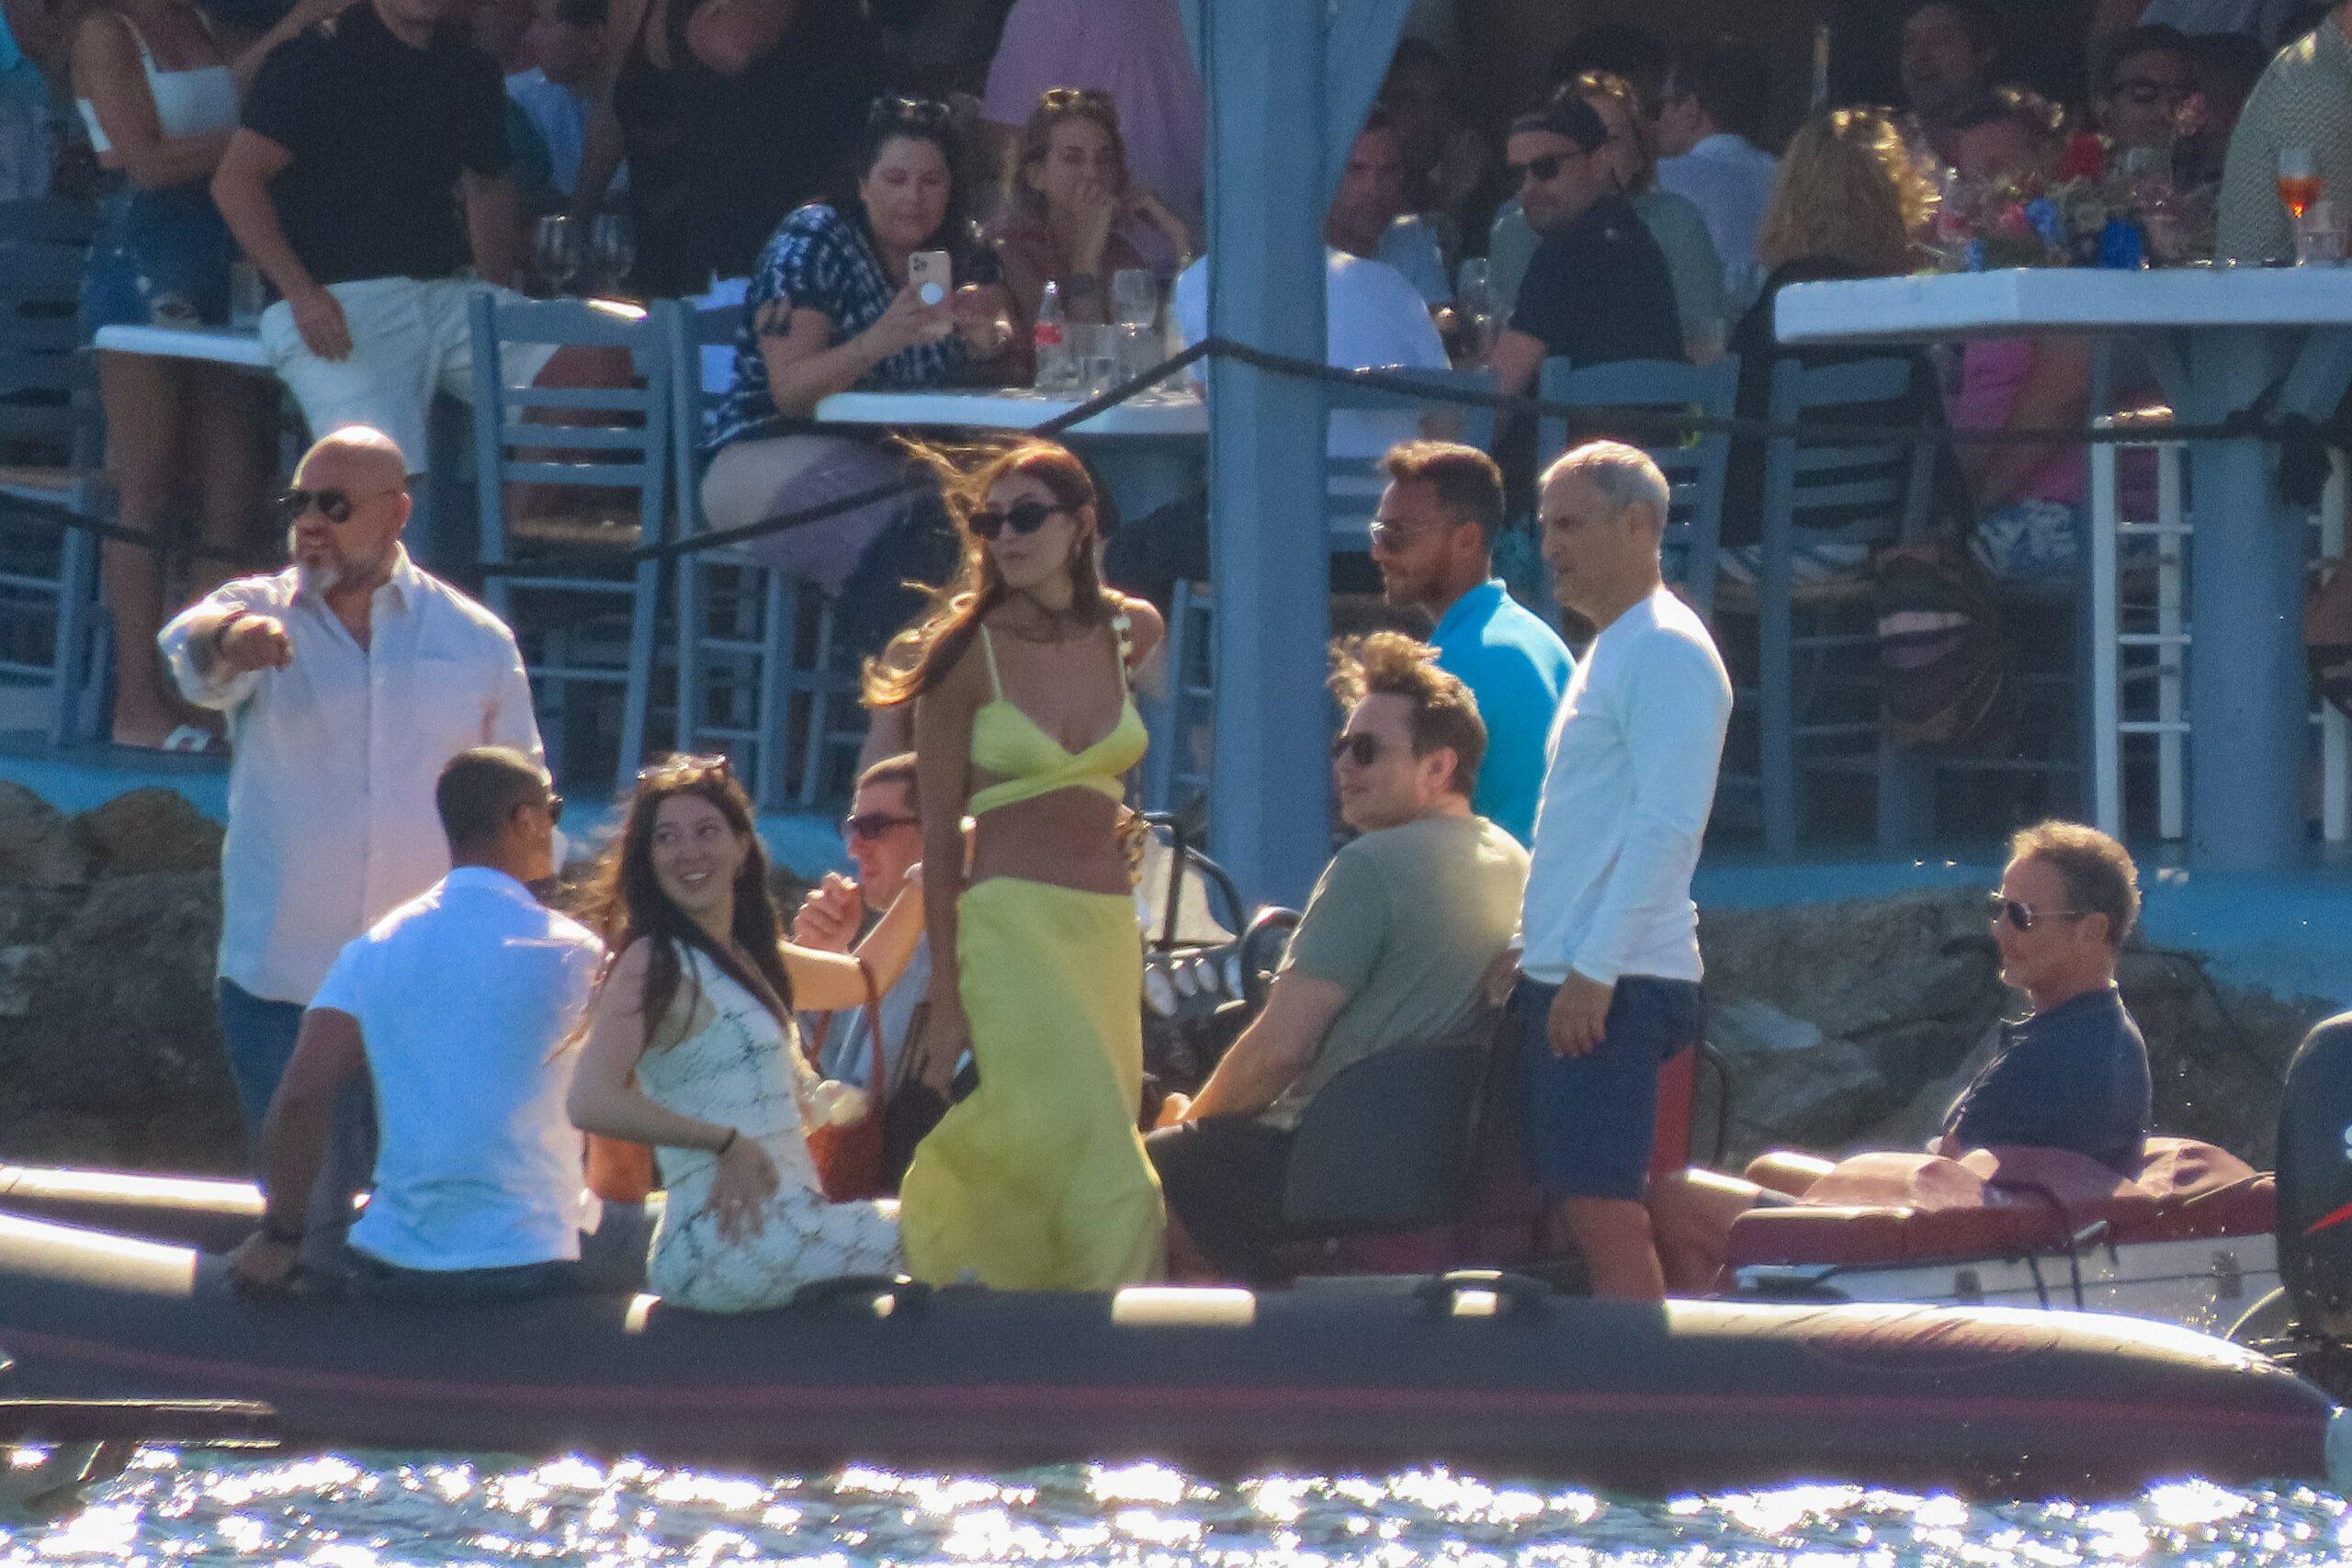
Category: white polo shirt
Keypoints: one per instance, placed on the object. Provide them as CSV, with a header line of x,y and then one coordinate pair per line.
x,y
334,760
467,998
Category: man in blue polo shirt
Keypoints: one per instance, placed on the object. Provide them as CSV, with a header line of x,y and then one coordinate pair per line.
x,y
1433,540
2073,1074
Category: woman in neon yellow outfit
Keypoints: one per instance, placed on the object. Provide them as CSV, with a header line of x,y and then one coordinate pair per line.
x,y
1024,722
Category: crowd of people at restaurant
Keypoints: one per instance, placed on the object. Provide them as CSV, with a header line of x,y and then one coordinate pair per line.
x,y
971,997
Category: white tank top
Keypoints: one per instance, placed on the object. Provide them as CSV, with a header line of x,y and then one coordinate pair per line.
x,y
188,103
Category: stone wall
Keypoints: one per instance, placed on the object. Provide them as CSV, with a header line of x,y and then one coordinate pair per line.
x,y
1844,1026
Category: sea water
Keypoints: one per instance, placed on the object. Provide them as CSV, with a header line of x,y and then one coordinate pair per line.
x,y
376,1510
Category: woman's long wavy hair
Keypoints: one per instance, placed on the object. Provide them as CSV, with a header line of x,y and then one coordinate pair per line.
x,y
1848,188
1057,106
918,656
625,904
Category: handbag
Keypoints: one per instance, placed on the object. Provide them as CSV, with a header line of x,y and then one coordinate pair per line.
x,y
848,1155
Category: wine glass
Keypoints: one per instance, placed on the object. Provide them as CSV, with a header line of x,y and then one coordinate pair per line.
x,y
2299,180
556,247
1135,309
613,243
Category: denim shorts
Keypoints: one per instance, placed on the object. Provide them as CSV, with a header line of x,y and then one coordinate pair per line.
x,y
160,258
1592,1120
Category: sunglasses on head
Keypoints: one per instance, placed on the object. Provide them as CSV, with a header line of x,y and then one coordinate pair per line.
x,y
333,505
2025,916
893,110
1023,517
1361,748
873,824
671,767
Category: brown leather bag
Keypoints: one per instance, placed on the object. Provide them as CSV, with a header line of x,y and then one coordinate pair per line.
x,y
618,1171
848,1155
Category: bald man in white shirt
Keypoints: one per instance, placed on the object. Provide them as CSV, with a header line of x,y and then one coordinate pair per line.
x,y
347,680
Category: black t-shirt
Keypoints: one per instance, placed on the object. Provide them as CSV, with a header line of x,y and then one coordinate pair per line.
x,y
378,133
1597,291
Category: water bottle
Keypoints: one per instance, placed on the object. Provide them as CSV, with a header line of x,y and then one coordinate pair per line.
x,y
1055,369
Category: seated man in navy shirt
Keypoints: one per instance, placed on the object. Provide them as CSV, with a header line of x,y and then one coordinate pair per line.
x,y
2072,1074
1597,289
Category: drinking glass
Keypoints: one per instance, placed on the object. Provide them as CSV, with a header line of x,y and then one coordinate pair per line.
x,y
2299,182
2319,236
1474,308
1134,310
1095,350
613,244
556,249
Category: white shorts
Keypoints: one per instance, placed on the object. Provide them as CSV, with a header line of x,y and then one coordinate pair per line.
x,y
409,340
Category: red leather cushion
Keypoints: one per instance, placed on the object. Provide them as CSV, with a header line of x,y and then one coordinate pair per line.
x,y
2083,1190
1892,1208
2200,1191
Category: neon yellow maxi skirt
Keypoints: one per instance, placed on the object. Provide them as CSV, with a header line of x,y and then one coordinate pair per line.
x,y
1040,1181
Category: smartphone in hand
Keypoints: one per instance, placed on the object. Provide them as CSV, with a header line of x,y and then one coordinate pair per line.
x,y
933,275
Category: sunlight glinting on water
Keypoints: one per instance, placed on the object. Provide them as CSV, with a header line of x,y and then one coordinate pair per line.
x,y
440,1511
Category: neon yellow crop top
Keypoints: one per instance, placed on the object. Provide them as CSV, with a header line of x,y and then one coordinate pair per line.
x,y
1007,741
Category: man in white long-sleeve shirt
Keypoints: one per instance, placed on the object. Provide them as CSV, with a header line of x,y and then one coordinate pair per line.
x,y
1610,974
348,679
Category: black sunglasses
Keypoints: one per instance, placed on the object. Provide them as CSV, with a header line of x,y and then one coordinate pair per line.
x,y
1362,750
2141,91
334,505
2024,917
873,824
1540,169
555,806
1023,517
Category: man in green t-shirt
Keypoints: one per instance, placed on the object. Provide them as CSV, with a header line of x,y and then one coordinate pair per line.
x,y
1404,924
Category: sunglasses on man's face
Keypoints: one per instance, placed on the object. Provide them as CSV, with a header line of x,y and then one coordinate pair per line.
x,y
873,824
2025,916
1023,517
1363,750
1537,169
2143,91
334,505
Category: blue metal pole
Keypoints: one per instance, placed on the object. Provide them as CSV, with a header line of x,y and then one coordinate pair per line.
x,y
1263,67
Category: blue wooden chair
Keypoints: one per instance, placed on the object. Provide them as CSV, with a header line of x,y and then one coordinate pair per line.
x,y
1695,467
756,656
1814,706
580,627
53,625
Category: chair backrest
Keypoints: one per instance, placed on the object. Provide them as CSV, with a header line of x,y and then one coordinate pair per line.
x,y
46,391
1696,466
686,331
1388,1143
1868,490
1353,484
590,437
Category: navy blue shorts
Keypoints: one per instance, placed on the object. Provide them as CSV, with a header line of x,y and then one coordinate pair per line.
x,y
1592,1120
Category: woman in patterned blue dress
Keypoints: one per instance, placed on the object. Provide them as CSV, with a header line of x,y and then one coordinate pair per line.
x,y
831,309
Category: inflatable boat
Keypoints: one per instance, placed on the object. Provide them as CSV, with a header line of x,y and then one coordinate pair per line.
x,y
1491,1370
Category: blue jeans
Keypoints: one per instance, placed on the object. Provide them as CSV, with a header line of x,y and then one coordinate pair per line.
x,y
260,1035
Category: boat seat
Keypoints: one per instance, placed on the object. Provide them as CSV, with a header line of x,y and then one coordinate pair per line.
x,y
1892,1208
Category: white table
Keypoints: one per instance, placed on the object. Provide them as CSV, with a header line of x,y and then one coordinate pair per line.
x,y
239,346
448,493
1148,451
2218,338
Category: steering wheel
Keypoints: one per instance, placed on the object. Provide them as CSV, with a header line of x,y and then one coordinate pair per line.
x,y
1261,949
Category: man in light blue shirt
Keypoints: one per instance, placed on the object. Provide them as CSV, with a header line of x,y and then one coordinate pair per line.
x,y
1433,539
1716,98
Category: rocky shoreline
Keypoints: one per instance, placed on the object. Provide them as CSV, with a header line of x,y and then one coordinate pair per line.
x,y
1843,1026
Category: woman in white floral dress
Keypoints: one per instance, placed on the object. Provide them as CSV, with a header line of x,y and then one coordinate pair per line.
x,y
691,1048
